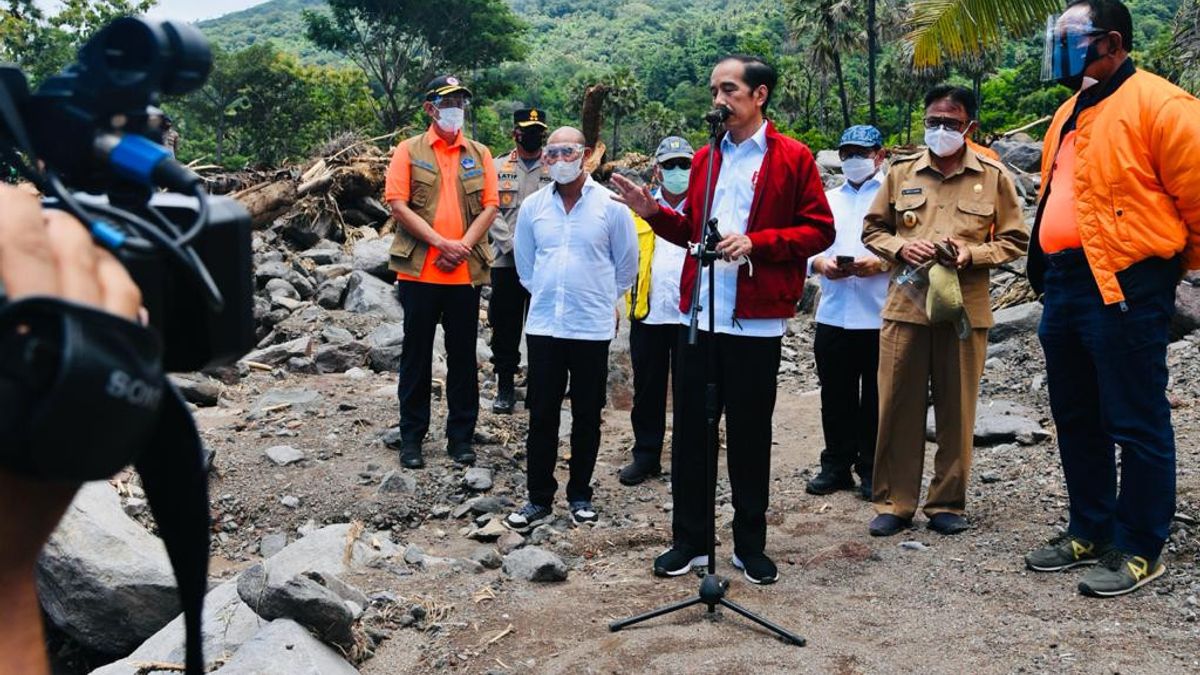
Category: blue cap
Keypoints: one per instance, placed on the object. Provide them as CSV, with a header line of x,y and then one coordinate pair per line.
x,y
863,135
672,147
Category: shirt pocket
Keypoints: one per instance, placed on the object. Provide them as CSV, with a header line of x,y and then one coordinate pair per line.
x,y
975,220
910,210
473,187
421,187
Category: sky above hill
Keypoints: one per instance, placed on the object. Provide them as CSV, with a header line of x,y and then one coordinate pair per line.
x,y
183,10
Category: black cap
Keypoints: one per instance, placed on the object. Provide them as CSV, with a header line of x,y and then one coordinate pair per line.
x,y
444,85
530,117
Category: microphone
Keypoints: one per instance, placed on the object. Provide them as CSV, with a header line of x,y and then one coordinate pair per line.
x,y
717,115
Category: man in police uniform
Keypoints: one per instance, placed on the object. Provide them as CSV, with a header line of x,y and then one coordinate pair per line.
x,y
521,173
951,198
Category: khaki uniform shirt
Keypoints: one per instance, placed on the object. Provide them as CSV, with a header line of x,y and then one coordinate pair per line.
x,y
516,183
977,204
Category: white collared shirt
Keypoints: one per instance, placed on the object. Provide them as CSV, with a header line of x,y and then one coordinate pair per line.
x,y
575,265
854,303
666,269
732,198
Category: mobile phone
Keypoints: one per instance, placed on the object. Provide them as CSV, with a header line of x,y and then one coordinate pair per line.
x,y
844,260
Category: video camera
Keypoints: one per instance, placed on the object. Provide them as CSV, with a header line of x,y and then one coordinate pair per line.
x,y
90,139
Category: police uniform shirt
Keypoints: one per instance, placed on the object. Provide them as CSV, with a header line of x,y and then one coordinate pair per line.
x,y
517,181
977,204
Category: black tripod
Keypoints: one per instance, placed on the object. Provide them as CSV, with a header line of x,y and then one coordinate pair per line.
x,y
712,587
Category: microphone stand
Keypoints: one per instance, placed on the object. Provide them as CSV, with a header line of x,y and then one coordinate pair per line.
x,y
712,586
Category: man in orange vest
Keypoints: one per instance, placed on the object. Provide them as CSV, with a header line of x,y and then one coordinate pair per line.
x,y
1118,221
443,191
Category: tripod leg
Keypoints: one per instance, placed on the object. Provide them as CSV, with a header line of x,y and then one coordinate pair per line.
x,y
781,632
618,625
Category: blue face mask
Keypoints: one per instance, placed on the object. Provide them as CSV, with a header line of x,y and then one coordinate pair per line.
x,y
675,181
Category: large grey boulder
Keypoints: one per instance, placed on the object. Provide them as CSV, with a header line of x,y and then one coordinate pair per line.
x,y
829,160
372,256
1187,310
535,564
341,356
102,578
284,646
366,294
386,343
330,293
304,598
1024,156
279,354
1017,320
229,623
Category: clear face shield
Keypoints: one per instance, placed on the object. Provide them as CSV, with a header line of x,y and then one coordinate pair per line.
x,y
1066,48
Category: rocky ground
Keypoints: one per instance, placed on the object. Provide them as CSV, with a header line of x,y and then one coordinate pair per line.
x,y
316,526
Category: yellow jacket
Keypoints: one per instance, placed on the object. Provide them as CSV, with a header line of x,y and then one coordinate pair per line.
x,y
1137,182
637,298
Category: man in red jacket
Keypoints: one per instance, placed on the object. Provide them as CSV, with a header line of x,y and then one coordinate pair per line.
x,y
772,214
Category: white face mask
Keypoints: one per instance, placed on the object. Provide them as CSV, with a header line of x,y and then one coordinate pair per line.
x,y
675,181
564,172
858,169
451,119
943,142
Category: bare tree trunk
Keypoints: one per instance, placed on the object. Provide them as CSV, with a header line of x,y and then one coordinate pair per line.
x,y
871,49
837,65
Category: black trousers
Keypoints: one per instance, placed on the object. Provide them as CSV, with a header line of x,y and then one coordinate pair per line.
x,y
848,365
652,349
746,373
507,309
551,362
456,307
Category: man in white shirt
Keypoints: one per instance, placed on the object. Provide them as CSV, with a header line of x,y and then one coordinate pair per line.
x,y
854,286
576,254
654,315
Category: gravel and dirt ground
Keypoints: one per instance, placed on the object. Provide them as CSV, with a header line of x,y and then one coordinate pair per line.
x,y
917,602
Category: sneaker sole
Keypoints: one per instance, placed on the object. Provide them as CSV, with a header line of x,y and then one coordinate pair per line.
x,y
761,582
1061,568
1088,591
584,521
698,561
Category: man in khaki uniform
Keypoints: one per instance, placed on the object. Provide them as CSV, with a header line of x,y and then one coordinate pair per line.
x,y
953,198
521,173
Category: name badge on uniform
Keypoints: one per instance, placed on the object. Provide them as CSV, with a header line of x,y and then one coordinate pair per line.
x,y
509,177
472,173
468,162
912,191
423,164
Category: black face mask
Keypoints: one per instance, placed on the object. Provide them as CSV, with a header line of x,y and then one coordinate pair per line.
x,y
531,140
1075,82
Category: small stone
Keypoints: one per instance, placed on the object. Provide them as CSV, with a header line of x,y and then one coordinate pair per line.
x,y
290,501
488,557
535,564
490,532
271,544
913,546
135,506
413,555
989,477
395,482
542,534
478,478
282,455
509,542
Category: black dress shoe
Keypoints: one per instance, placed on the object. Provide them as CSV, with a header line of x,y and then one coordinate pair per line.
x,y
827,482
410,456
461,453
886,525
506,397
634,473
947,523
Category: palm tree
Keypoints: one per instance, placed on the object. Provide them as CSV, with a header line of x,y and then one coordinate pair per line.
x,y
624,97
956,28
830,28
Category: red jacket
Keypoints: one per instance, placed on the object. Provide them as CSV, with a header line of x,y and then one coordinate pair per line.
x,y
790,221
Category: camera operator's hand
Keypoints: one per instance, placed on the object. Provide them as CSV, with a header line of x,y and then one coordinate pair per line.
x,y
636,197
734,246
43,253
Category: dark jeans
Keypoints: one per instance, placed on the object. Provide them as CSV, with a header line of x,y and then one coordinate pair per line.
x,y
456,307
551,362
651,352
848,365
1107,375
507,309
746,373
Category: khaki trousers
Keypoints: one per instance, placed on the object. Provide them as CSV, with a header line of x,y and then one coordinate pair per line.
x,y
911,357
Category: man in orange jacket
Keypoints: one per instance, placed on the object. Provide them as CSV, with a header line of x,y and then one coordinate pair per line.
x,y
1118,222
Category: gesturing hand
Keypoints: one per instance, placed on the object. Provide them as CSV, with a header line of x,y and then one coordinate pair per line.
x,y
636,197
